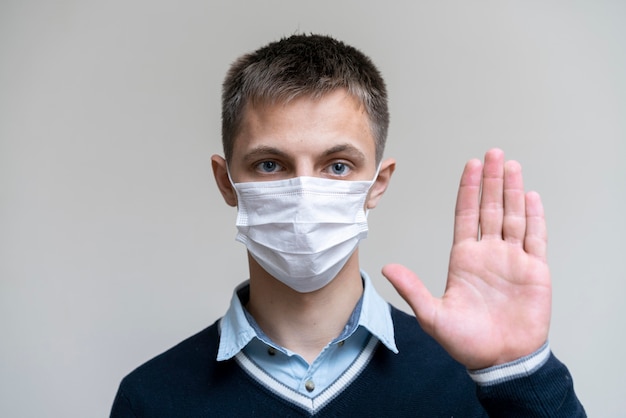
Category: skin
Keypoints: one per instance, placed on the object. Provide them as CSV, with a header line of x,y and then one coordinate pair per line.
x,y
496,307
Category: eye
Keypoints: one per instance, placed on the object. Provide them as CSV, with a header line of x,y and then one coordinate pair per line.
x,y
339,169
268,166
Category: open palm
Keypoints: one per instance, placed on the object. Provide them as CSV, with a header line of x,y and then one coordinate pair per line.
x,y
496,306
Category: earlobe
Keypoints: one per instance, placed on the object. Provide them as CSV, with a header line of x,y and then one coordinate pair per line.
x,y
220,172
381,182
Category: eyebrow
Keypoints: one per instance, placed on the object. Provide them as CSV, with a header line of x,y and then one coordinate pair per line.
x,y
261,151
354,152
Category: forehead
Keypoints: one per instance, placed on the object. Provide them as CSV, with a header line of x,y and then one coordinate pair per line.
x,y
306,123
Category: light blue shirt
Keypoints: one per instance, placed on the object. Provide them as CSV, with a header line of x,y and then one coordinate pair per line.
x,y
371,318
240,332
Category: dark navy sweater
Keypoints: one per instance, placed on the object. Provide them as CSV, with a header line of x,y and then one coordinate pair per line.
x,y
422,380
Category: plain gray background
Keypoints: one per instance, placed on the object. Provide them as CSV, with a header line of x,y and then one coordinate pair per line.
x,y
115,244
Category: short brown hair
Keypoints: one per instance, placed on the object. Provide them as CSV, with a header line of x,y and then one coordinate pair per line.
x,y
303,65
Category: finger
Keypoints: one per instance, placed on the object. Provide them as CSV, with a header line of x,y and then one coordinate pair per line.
x,y
536,239
466,212
514,223
491,202
413,291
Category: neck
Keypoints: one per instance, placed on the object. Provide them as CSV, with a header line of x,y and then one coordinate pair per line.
x,y
304,322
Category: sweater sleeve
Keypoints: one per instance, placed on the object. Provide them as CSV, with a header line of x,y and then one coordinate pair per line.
x,y
546,392
121,406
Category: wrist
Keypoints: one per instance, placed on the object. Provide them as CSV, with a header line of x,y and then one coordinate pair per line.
x,y
521,367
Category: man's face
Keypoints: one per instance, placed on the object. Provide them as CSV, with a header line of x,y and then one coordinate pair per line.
x,y
329,137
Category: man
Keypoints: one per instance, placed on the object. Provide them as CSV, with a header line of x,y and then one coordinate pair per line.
x,y
304,127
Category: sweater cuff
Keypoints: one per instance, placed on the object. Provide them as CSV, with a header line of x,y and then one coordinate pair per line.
x,y
521,367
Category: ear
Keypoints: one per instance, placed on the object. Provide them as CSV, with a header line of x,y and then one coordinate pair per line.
x,y
387,168
220,172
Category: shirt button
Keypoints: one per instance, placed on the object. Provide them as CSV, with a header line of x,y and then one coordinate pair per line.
x,y
271,351
309,386
341,343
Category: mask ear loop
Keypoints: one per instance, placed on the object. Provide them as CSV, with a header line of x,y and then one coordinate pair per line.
x,y
232,183
377,172
229,177
367,210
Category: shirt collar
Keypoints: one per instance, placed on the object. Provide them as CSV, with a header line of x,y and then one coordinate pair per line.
x,y
376,315
236,331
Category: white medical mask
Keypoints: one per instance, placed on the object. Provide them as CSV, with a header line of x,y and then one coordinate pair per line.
x,y
302,230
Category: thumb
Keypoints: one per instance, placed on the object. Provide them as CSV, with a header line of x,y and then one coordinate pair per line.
x,y
413,291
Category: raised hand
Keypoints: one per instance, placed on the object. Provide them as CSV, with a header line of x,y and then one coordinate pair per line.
x,y
497,302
